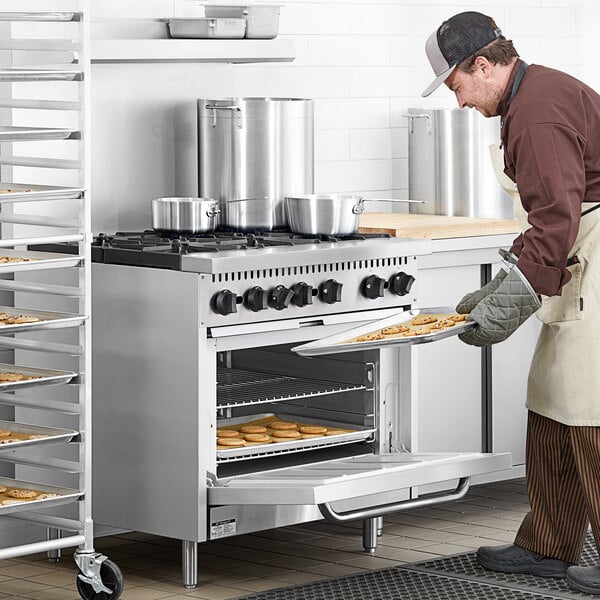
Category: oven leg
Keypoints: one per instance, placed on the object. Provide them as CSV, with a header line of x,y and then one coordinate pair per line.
x,y
189,560
370,535
379,526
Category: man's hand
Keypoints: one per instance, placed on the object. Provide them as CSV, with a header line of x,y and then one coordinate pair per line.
x,y
471,300
503,311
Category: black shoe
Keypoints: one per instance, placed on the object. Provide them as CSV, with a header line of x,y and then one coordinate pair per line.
x,y
514,559
584,579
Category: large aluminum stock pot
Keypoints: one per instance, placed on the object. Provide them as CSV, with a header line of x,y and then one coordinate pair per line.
x,y
184,215
254,147
328,214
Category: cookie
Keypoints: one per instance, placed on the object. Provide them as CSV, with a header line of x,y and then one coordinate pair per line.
x,y
22,494
283,425
253,429
458,318
286,433
424,320
4,432
4,315
44,496
231,442
7,441
10,501
313,429
3,488
394,329
369,337
226,433
7,376
20,319
409,333
256,437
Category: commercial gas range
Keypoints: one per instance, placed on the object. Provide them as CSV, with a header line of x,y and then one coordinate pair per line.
x,y
195,333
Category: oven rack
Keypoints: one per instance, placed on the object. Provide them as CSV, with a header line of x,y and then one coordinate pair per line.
x,y
246,390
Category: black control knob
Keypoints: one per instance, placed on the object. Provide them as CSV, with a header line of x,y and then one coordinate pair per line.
x,y
225,302
280,297
373,287
256,298
330,291
400,283
303,294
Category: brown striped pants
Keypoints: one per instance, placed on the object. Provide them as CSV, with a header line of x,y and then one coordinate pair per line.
x,y
563,482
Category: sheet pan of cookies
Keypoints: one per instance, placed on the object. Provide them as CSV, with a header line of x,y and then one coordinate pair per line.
x,y
22,495
19,435
14,376
408,327
245,436
13,320
12,261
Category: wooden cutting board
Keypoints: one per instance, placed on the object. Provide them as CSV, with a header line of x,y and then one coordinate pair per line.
x,y
433,227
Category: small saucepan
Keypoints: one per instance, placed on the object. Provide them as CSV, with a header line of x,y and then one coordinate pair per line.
x,y
185,215
328,214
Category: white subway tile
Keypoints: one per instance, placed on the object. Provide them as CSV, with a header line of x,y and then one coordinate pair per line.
x,y
312,19
349,50
352,113
117,9
249,81
525,21
368,144
399,142
390,81
588,23
305,82
346,176
408,50
400,173
332,145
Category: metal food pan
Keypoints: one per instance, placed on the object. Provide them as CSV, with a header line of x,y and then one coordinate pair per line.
x,y
40,260
48,320
52,434
337,343
44,377
203,28
24,134
360,433
65,496
23,192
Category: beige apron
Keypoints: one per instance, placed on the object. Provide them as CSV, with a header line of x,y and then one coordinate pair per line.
x,y
564,378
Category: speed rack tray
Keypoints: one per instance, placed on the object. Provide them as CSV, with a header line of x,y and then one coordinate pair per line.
x,y
21,192
27,260
45,319
370,336
46,496
348,434
20,435
38,377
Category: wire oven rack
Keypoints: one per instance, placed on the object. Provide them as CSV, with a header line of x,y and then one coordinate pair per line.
x,y
45,77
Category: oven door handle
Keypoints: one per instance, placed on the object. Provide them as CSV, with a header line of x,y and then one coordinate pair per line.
x,y
385,509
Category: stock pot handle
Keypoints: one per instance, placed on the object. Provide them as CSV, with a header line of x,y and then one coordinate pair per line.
x,y
385,509
216,107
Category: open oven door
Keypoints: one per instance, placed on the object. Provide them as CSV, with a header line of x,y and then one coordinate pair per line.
x,y
321,484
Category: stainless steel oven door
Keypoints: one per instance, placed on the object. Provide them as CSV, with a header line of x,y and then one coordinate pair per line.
x,y
324,483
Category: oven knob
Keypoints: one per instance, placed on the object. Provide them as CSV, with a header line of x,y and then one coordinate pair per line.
x,y
256,298
280,297
372,287
330,291
303,294
400,283
225,302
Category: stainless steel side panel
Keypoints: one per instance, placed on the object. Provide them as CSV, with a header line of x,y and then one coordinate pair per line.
x,y
351,478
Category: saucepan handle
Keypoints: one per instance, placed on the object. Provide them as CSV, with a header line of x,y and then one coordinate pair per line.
x,y
359,207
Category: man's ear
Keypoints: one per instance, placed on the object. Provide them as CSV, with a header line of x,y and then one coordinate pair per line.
x,y
482,66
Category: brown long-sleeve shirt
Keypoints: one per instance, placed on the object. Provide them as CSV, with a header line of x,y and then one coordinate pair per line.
x,y
551,140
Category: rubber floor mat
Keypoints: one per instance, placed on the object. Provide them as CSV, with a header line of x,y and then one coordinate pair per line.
x,y
457,577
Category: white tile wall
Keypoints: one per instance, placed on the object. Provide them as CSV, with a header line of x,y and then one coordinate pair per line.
x,y
363,62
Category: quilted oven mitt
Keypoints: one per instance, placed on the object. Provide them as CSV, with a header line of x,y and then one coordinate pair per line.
x,y
472,299
503,311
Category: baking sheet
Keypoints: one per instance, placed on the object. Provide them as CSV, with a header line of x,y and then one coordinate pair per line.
x,y
48,320
24,192
51,435
43,377
40,260
65,495
23,134
38,16
357,434
337,343
39,75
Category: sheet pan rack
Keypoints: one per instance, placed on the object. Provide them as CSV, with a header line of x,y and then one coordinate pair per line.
x,y
45,429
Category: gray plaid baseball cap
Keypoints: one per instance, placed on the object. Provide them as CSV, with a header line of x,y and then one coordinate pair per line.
x,y
456,39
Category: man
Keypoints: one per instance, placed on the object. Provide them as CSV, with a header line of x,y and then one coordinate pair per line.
x,y
550,134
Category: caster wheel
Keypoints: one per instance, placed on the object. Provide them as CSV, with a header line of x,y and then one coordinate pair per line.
x,y
111,577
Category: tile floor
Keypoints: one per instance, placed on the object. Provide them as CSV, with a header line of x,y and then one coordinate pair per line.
x,y
237,566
